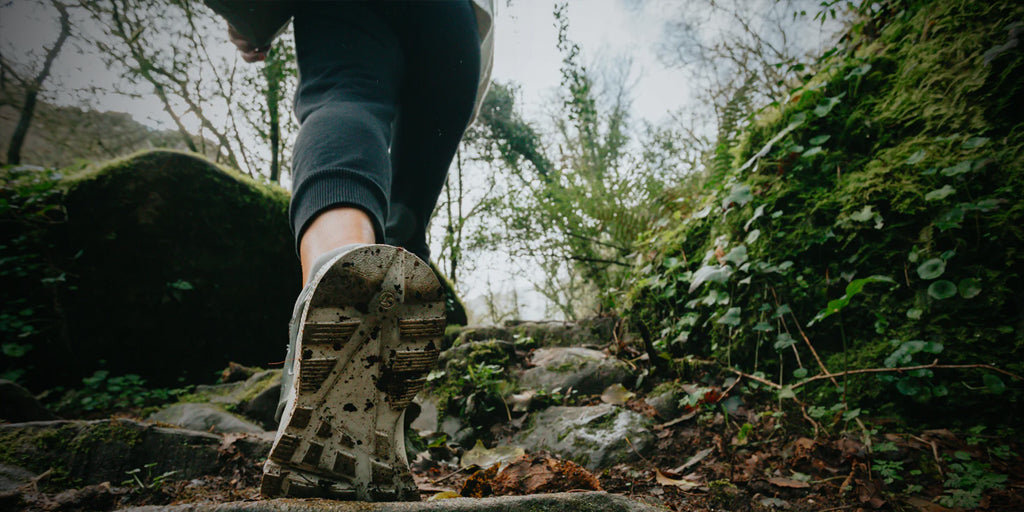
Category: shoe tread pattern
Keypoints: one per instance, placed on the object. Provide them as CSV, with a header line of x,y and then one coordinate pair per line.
x,y
343,344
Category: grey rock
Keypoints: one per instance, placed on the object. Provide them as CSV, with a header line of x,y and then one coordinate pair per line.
x,y
427,420
13,477
559,502
255,397
204,418
240,392
598,331
18,405
458,432
498,352
92,452
263,406
585,370
593,436
667,404
775,503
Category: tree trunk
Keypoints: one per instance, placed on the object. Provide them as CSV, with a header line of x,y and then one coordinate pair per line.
x,y
273,72
32,89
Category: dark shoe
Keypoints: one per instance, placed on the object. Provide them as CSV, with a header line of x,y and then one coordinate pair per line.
x,y
369,330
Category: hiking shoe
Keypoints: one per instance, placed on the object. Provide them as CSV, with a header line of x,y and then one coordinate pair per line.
x,y
367,331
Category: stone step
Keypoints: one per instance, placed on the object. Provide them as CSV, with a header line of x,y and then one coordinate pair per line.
x,y
560,502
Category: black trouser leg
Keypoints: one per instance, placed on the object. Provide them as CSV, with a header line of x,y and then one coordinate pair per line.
x,y
360,65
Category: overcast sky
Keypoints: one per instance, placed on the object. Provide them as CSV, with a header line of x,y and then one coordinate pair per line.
x,y
607,31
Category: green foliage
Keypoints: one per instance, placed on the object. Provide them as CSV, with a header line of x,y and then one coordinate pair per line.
x,y
576,205
29,203
967,480
478,395
103,263
871,216
103,392
148,481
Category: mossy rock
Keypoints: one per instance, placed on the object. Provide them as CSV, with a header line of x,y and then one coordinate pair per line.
x,y
454,309
91,452
164,265
596,437
595,331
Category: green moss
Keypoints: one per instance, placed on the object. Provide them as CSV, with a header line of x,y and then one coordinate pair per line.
x,y
157,236
113,431
258,387
566,367
671,386
37,450
911,160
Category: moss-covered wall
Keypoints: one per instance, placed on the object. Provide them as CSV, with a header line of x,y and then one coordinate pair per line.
x,y
160,264
902,157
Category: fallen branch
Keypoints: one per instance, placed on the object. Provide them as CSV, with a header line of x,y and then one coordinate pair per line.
x,y
762,380
933,366
831,376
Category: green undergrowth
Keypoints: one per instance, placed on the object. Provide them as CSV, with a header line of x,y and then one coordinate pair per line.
x,y
875,215
160,264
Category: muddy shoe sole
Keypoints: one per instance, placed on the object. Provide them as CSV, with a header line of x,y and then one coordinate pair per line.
x,y
370,332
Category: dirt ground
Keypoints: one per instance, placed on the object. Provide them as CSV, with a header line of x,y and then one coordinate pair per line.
x,y
749,457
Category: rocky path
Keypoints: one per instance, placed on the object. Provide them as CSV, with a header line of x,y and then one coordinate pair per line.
x,y
204,452
560,502
534,416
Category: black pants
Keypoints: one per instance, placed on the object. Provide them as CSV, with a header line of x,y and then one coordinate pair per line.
x,y
373,77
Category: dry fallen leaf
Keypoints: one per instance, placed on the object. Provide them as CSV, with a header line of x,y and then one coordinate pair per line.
x,y
616,394
788,482
521,401
478,485
540,473
926,506
482,457
445,495
664,479
699,456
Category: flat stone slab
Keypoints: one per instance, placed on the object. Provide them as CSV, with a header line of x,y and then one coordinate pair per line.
x,y
588,331
595,437
585,370
91,452
204,418
560,502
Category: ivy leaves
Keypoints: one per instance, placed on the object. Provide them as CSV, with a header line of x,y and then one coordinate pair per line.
x,y
853,289
943,289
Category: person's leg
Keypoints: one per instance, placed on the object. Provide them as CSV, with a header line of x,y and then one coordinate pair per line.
x,y
441,49
349,76
366,328
330,230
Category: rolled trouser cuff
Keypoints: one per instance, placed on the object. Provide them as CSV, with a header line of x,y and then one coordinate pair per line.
x,y
332,188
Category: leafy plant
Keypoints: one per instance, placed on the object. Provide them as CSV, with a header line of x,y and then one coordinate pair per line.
x,y
148,481
102,392
967,480
861,210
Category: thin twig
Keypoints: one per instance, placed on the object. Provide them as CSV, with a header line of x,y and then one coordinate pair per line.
x,y
933,366
807,340
935,453
33,482
637,452
727,390
762,380
449,475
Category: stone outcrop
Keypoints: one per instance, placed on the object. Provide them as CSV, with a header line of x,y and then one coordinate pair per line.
x,y
92,452
18,405
593,436
561,502
585,370
597,331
